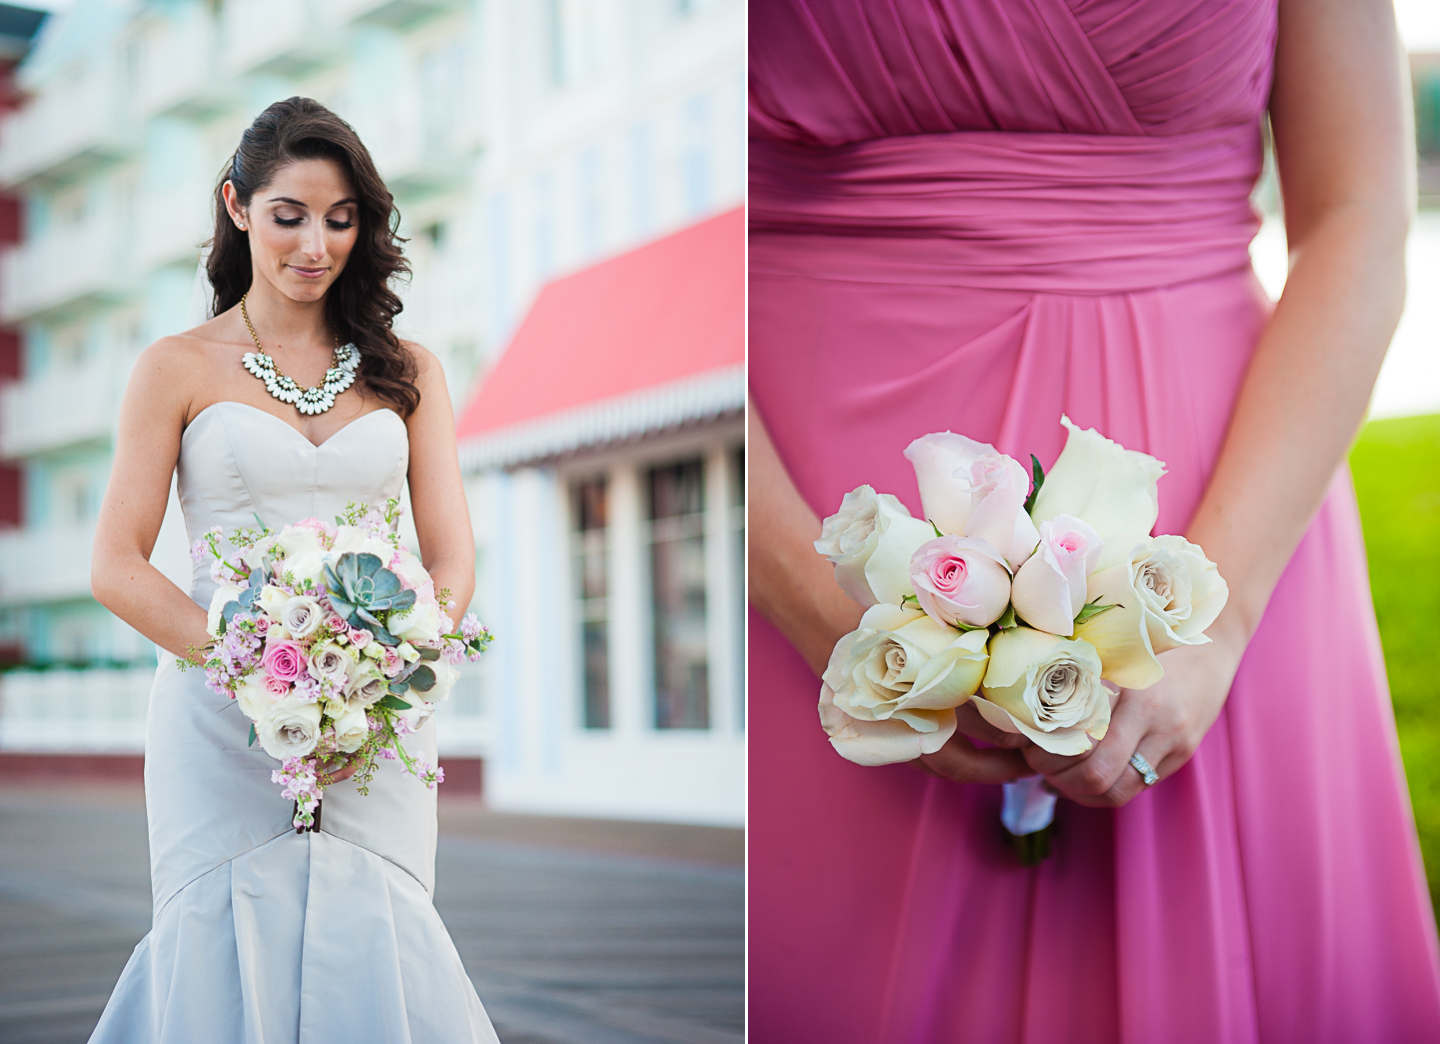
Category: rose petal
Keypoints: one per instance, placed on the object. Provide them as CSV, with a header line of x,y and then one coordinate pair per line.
x,y
887,572
881,742
937,458
1119,635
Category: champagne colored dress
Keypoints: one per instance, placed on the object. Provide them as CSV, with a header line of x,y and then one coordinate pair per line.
x,y
262,935
977,215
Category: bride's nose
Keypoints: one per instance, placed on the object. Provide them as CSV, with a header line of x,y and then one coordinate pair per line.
x,y
312,244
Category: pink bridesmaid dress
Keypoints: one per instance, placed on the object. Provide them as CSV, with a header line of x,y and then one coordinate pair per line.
x,y
977,215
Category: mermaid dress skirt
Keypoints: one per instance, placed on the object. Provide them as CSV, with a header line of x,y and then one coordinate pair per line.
x,y
978,216
262,935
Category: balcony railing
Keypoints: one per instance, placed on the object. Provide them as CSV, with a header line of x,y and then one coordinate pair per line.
x,y
45,565
172,225
391,13
179,73
58,408
103,709
63,268
75,124
280,37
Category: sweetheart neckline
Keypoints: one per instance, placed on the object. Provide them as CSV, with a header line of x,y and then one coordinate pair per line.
x,y
285,424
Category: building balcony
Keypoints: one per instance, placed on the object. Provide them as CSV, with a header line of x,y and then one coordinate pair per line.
x,y
290,38
76,125
59,408
45,564
177,75
394,14
172,225
75,710
64,270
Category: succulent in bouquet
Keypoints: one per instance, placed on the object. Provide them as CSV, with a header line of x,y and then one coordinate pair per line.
x,y
335,644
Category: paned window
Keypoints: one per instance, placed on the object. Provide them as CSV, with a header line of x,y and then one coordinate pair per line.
x,y
677,574
592,582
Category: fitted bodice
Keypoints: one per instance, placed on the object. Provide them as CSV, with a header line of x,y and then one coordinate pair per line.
x,y
239,463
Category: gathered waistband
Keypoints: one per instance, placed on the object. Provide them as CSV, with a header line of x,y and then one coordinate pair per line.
x,y
1080,213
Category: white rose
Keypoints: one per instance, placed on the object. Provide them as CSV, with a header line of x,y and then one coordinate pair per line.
x,y
892,685
1109,487
419,623
295,540
252,696
351,728
1165,596
374,650
870,541
272,600
998,488
938,459
300,616
410,569
253,554
289,729
359,541
328,661
367,688
446,675
1049,590
223,596
1046,688
306,566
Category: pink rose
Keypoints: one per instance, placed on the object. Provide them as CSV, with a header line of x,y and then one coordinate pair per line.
x,y
277,689
361,638
262,624
335,622
391,664
1049,589
960,580
998,487
284,660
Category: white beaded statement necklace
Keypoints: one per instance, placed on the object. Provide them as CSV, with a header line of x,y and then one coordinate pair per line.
x,y
309,401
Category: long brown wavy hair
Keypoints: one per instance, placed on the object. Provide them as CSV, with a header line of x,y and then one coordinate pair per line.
x,y
361,305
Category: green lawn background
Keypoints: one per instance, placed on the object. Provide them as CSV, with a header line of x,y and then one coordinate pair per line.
x,y
1396,464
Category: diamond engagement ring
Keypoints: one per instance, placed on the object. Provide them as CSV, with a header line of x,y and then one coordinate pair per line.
x,y
1147,772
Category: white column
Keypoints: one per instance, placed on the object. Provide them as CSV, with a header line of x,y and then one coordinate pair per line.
x,y
719,593
629,606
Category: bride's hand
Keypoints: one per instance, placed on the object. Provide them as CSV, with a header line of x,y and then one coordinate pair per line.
x,y
339,768
1165,723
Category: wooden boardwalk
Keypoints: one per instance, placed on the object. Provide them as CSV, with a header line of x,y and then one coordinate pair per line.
x,y
573,934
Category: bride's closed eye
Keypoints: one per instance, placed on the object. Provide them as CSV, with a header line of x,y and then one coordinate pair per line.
x,y
338,226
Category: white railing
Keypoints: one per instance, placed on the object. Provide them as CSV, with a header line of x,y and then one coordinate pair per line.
x,y
58,408
103,709
43,565
77,121
281,37
388,12
172,225
95,709
63,266
178,71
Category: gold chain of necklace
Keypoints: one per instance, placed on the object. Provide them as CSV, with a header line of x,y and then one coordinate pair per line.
x,y
335,358
309,401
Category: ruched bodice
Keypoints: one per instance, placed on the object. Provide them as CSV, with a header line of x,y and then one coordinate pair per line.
x,y
262,934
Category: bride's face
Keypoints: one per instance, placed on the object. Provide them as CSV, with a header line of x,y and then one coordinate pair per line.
x,y
302,227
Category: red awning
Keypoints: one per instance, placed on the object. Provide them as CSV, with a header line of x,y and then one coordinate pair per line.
x,y
666,320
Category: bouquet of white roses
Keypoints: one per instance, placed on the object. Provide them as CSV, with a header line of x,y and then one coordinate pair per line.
x,y
333,640
1035,604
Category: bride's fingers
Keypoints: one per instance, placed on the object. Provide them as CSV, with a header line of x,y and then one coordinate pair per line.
x,y
1103,768
960,762
969,721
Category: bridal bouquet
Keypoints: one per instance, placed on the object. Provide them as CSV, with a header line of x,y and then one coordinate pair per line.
x,y
334,642
1036,604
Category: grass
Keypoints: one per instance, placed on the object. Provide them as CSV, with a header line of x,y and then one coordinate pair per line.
x,y
1396,464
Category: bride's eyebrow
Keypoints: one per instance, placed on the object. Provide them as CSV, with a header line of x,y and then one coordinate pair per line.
x,y
297,203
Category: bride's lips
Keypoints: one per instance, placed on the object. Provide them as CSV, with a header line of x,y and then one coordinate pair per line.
x,y
308,273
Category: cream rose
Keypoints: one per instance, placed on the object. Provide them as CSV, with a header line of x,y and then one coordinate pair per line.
x,y
1050,589
960,580
892,685
307,566
223,596
254,700
329,662
1109,487
870,541
998,488
351,728
419,623
367,687
363,542
298,539
1046,688
289,729
943,461
301,615
272,600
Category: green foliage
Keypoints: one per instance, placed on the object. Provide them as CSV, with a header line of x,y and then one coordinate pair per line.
x,y
1396,465
1037,477
1091,609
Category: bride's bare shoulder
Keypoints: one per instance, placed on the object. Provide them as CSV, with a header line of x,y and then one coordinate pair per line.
x,y
176,369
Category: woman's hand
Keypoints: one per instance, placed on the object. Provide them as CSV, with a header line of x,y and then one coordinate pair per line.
x,y
338,768
960,761
1165,723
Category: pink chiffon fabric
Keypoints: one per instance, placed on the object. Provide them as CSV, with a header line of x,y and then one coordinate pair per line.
x,y
977,215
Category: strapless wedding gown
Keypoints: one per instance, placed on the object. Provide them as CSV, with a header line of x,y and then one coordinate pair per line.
x,y
262,935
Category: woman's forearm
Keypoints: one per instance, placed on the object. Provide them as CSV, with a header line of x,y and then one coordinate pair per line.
x,y
459,581
1301,403
792,586
134,590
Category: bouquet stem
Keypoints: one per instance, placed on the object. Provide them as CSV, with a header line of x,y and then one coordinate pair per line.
x,y
314,823
1031,848
1027,812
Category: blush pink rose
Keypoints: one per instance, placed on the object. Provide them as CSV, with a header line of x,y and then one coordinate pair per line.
x,y
1049,589
361,638
262,624
284,660
960,580
998,487
276,688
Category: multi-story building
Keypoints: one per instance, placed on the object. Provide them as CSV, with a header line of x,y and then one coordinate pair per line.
x,y
524,140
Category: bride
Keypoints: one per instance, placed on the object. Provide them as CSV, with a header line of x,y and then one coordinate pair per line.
x,y
260,932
